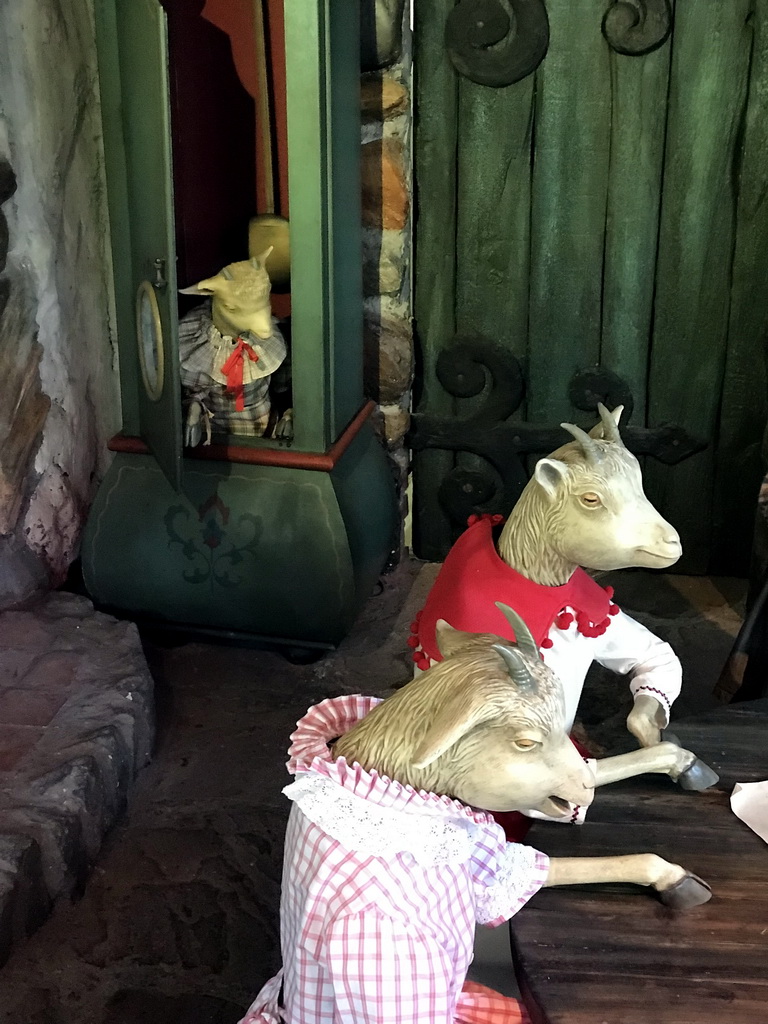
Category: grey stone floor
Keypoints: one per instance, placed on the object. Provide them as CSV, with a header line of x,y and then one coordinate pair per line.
x,y
179,918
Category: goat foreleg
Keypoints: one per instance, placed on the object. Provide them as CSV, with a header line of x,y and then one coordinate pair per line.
x,y
675,886
662,759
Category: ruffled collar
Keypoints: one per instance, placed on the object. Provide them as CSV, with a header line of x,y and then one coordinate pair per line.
x,y
207,349
367,811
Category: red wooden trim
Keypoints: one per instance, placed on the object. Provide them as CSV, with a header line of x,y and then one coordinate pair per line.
x,y
338,448
322,462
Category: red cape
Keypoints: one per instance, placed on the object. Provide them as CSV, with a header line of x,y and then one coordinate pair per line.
x,y
473,577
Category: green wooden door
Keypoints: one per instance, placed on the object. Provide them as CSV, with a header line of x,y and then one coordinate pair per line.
x,y
607,210
133,65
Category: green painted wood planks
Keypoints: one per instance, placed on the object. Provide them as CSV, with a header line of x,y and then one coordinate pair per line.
x,y
568,204
493,217
493,222
435,259
638,116
610,209
710,63
739,462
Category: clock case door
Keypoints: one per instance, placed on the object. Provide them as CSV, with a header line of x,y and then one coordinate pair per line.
x,y
133,66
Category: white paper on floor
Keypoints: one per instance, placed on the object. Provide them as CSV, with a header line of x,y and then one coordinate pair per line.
x,y
749,801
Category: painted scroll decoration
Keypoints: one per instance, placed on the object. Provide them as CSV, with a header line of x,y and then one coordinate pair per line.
x,y
474,365
637,27
497,42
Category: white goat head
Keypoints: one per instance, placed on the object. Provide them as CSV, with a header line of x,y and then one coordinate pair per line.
x,y
486,726
240,297
586,506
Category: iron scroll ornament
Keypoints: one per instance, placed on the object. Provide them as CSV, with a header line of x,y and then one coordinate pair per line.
x,y
497,42
474,365
637,27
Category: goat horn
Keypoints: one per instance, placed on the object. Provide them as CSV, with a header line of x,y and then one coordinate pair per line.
x,y
587,443
523,637
610,426
227,274
517,668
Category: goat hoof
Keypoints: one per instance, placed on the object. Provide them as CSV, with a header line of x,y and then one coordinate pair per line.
x,y
697,776
690,891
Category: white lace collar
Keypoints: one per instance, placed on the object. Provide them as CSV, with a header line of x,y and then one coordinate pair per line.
x,y
367,812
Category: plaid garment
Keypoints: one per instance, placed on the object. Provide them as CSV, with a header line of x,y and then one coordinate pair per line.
x,y
382,888
203,352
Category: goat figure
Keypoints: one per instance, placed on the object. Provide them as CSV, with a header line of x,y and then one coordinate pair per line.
x,y
390,860
583,507
230,347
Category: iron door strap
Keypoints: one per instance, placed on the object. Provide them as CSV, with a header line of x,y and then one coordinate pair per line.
x,y
491,48
475,366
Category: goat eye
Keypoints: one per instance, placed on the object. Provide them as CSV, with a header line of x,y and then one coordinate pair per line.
x,y
591,500
525,744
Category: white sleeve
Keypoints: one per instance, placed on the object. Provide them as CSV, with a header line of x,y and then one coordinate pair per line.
x,y
628,647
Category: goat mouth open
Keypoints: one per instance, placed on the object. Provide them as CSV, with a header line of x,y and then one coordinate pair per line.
x,y
556,807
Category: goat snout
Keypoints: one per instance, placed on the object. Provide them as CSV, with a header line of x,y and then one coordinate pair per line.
x,y
669,543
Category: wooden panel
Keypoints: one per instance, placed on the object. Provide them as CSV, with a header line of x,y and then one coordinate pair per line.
x,y
493,223
707,93
743,413
638,120
570,181
435,256
493,217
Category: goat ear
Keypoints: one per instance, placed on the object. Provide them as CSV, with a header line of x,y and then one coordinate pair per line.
x,y
461,713
201,288
550,474
449,640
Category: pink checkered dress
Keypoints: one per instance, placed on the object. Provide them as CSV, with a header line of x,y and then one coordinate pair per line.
x,y
382,888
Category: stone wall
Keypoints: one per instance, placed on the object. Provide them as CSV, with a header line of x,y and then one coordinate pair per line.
x,y
58,370
387,177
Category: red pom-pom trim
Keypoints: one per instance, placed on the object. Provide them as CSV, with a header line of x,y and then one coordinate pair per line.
x,y
421,660
412,641
563,620
614,609
415,626
547,643
473,519
609,591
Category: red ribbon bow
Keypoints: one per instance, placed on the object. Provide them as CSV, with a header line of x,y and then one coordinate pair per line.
x,y
233,371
